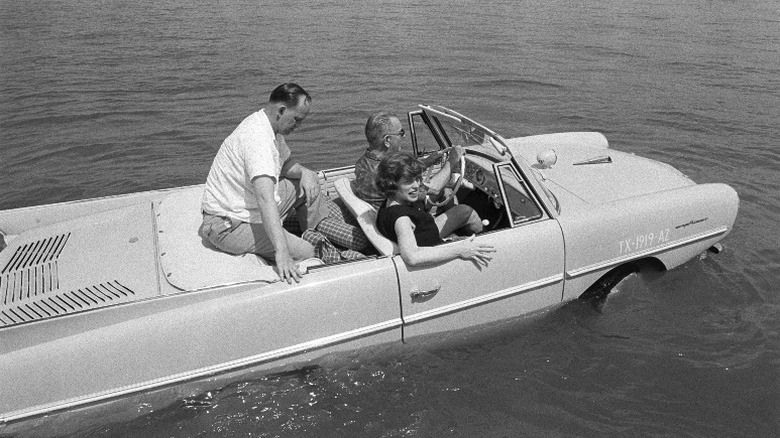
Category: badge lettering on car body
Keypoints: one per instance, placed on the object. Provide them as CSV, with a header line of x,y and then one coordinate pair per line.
x,y
642,241
692,222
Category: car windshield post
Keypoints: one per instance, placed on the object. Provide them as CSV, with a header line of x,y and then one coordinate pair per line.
x,y
519,203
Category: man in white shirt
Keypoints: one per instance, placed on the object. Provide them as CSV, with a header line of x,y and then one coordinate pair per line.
x,y
253,185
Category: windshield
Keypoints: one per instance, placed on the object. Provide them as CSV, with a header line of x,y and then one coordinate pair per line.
x,y
459,130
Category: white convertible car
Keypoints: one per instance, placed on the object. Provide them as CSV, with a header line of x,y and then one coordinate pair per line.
x,y
108,297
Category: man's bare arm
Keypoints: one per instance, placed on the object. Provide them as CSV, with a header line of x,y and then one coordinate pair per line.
x,y
310,183
442,177
272,223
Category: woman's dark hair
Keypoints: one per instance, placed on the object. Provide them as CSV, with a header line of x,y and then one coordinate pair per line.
x,y
289,94
395,168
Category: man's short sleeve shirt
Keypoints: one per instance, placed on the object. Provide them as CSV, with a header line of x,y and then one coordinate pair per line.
x,y
252,150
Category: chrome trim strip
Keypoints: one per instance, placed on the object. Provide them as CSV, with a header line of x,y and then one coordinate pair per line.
x,y
483,299
439,113
654,250
205,372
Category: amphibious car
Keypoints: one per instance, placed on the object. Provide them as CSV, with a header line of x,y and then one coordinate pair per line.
x,y
107,297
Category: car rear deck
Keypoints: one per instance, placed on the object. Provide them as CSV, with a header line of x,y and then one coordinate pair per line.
x,y
79,264
120,253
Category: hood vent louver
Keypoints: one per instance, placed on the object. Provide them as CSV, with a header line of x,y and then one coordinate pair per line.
x,y
36,253
30,285
63,303
32,270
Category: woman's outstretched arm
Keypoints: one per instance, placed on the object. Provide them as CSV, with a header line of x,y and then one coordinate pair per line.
x,y
414,255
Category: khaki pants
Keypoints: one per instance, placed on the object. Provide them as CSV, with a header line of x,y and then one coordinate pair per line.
x,y
237,237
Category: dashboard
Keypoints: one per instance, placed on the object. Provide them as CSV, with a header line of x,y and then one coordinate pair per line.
x,y
479,172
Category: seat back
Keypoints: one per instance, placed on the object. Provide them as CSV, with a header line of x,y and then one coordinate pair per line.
x,y
366,217
328,178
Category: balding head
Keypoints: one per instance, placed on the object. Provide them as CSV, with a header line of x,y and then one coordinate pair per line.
x,y
378,126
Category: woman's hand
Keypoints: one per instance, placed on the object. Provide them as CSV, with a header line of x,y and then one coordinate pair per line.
x,y
476,252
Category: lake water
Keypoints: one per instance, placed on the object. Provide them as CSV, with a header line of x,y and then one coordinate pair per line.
x,y
103,97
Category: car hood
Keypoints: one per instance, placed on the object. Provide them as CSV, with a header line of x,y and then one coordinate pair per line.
x,y
597,175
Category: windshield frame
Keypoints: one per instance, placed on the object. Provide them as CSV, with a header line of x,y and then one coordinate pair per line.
x,y
490,144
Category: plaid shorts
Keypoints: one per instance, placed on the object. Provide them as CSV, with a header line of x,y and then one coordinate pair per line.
x,y
326,251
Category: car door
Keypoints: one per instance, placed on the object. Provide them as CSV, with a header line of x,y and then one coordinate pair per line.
x,y
525,274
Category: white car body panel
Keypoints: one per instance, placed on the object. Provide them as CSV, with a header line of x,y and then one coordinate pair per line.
x,y
671,226
518,280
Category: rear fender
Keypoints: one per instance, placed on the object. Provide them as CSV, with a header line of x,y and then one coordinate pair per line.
x,y
672,226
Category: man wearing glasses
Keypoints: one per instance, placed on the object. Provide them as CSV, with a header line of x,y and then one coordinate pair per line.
x,y
385,133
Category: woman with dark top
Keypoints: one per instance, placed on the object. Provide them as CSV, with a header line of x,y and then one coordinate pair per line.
x,y
404,219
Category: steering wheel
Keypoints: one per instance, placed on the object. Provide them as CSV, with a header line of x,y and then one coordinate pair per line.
x,y
458,183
